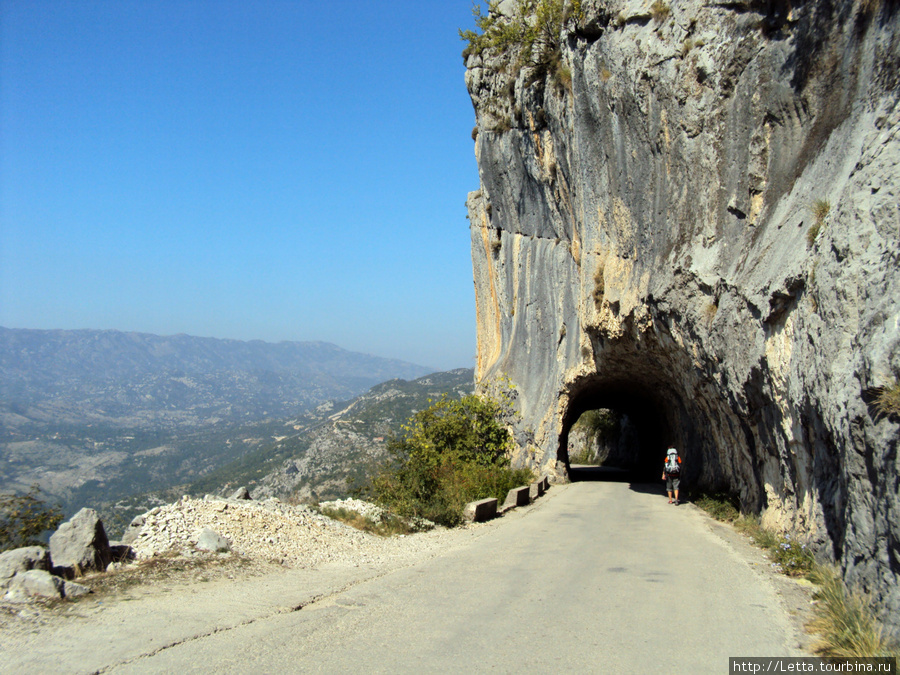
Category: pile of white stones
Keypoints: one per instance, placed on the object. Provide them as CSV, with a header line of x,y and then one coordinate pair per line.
x,y
294,536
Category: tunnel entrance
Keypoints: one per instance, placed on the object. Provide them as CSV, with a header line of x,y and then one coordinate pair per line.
x,y
615,430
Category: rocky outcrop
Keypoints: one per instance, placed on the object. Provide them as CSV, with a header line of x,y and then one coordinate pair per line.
x,y
688,213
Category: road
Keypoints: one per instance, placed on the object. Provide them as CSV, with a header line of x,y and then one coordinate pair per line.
x,y
593,578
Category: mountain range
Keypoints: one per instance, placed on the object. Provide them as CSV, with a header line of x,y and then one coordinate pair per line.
x,y
92,416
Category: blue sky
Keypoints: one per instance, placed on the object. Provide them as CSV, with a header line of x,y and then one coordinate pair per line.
x,y
275,170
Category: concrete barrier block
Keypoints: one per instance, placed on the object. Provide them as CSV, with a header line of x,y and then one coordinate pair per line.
x,y
533,491
546,481
483,509
517,497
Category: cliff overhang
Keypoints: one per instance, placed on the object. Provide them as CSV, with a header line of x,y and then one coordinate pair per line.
x,y
691,216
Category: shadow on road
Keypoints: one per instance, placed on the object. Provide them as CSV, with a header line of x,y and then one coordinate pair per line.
x,y
611,474
608,474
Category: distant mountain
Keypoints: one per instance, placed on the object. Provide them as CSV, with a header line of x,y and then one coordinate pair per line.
x,y
91,416
149,381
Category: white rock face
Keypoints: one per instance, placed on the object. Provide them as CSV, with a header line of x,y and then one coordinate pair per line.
x,y
694,219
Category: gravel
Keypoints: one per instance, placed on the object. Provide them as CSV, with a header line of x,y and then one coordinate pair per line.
x,y
292,535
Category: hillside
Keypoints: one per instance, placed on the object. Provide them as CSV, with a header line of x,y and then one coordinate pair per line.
x,y
98,415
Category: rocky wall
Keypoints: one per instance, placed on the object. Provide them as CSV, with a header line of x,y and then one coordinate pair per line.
x,y
689,212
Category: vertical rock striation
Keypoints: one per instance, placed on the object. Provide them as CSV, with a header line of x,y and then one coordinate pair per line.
x,y
689,213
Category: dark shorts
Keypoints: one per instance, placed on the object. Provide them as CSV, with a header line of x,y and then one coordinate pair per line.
x,y
672,483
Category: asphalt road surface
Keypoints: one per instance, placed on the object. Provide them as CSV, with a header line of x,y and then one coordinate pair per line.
x,y
593,578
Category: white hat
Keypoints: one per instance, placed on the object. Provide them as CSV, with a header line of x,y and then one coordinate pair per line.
x,y
672,451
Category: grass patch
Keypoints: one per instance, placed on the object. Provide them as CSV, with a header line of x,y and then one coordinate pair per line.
x,y
887,400
660,10
387,526
820,209
720,506
844,621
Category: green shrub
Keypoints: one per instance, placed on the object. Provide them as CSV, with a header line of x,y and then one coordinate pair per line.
x,y
449,454
584,456
24,518
599,288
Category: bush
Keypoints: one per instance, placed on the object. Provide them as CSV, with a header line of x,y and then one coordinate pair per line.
x,y
24,518
449,454
820,209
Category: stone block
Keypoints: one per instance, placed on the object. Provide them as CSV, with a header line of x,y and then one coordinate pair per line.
x,y
533,491
73,590
483,509
517,497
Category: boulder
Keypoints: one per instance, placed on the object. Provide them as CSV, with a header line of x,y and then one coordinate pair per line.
x,y
80,545
26,586
209,540
134,529
240,493
21,560
73,590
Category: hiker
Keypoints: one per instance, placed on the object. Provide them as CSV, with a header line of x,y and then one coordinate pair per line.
x,y
672,474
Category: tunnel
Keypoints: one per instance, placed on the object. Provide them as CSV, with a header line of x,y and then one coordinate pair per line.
x,y
648,423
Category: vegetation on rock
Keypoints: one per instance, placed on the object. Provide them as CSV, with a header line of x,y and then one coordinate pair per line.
x,y
887,400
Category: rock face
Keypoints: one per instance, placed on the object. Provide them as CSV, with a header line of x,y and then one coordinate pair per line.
x,y
688,213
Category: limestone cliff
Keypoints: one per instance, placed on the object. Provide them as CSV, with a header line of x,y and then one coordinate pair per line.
x,y
689,212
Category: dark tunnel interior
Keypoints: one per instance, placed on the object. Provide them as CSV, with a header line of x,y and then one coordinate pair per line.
x,y
644,430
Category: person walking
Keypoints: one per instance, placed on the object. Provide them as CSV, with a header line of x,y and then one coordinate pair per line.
x,y
672,474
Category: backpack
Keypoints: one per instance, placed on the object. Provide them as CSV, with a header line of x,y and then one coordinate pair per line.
x,y
673,465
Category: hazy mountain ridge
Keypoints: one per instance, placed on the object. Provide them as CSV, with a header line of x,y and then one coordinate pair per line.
x,y
104,376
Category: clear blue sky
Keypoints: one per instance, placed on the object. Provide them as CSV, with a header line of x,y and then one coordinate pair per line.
x,y
274,169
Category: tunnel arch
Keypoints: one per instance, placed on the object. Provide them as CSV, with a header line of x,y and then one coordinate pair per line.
x,y
650,413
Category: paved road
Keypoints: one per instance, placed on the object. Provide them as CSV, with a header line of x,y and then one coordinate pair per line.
x,y
595,578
